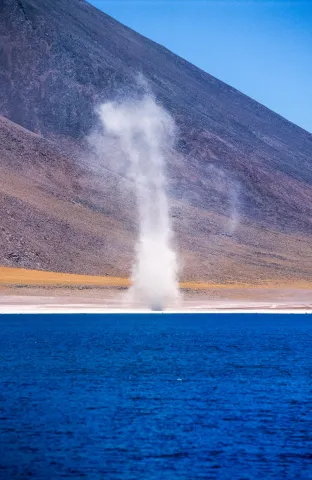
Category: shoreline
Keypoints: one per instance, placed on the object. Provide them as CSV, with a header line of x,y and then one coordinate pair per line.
x,y
47,311
33,291
117,304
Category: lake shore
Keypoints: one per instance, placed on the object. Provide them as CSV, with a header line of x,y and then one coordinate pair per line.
x,y
33,291
115,302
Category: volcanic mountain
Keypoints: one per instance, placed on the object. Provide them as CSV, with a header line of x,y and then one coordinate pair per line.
x,y
240,181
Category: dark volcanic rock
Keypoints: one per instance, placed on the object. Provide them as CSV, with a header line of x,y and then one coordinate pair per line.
x,y
60,58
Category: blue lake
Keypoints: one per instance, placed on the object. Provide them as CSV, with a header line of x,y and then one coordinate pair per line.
x,y
161,396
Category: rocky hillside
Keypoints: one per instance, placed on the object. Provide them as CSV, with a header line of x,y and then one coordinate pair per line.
x,y
241,182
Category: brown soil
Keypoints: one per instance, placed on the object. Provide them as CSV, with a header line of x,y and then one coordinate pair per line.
x,y
64,210
63,219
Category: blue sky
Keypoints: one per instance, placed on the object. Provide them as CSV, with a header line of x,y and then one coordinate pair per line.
x,y
262,48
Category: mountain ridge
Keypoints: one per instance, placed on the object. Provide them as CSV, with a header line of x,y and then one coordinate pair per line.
x,y
68,57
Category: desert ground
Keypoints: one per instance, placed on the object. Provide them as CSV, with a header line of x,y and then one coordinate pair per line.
x,y
239,175
34,291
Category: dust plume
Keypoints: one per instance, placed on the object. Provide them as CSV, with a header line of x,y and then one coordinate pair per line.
x,y
143,133
228,190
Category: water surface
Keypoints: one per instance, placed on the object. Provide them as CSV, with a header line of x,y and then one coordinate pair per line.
x,y
172,396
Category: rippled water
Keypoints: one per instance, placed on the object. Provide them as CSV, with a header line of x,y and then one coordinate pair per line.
x,y
156,396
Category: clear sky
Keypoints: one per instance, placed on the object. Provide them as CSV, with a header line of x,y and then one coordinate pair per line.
x,y
262,48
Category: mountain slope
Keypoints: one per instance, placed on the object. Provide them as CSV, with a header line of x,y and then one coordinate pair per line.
x,y
237,161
